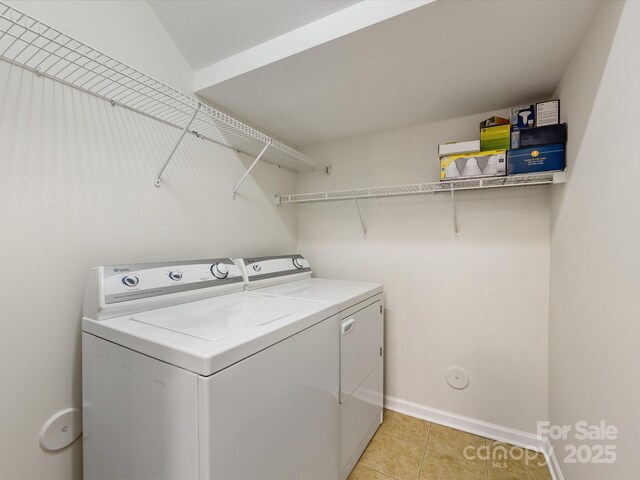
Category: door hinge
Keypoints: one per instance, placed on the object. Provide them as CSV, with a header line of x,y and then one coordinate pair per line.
x,y
380,351
380,308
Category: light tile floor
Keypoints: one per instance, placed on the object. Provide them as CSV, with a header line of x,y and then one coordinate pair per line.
x,y
406,448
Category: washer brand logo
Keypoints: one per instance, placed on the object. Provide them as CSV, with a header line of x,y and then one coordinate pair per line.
x,y
120,270
535,153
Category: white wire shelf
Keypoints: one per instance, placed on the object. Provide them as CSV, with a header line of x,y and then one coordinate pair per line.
x,y
35,46
546,178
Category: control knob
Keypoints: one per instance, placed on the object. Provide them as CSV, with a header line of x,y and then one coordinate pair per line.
x,y
297,263
257,267
220,270
176,276
130,280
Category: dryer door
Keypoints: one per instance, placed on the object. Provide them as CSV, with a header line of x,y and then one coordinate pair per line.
x,y
361,372
360,347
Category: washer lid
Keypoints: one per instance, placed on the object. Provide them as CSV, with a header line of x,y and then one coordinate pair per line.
x,y
226,317
209,335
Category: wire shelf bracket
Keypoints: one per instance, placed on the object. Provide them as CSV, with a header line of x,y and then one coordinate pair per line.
x,y
246,174
364,227
35,46
455,214
157,182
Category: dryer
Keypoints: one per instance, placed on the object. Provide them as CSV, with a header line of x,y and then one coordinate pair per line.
x,y
359,330
188,376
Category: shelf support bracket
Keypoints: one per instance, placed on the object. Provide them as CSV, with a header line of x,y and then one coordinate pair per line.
x,y
157,182
364,227
455,215
246,174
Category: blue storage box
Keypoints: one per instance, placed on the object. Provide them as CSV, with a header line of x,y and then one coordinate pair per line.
x,y
533,137
542,158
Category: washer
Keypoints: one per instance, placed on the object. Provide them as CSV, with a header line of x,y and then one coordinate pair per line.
x,y
359,327
188,376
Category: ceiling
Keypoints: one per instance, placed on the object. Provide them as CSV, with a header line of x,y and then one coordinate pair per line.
x,y
440,60
209,31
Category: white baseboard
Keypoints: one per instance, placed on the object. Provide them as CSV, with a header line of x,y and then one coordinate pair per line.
x,y
552,461
478,427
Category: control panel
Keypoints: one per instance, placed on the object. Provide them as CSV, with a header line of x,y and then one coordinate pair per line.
x,y
262,268
122,283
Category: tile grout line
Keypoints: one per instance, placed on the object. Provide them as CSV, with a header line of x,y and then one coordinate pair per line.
x,y
378,471
398,437
404,440
424,452
486,462
487,443
378,432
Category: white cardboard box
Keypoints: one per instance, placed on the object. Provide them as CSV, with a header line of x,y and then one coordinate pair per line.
x,y
471,146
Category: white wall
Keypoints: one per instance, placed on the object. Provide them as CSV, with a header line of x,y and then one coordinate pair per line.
x,y
479,302
76,190
595,258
